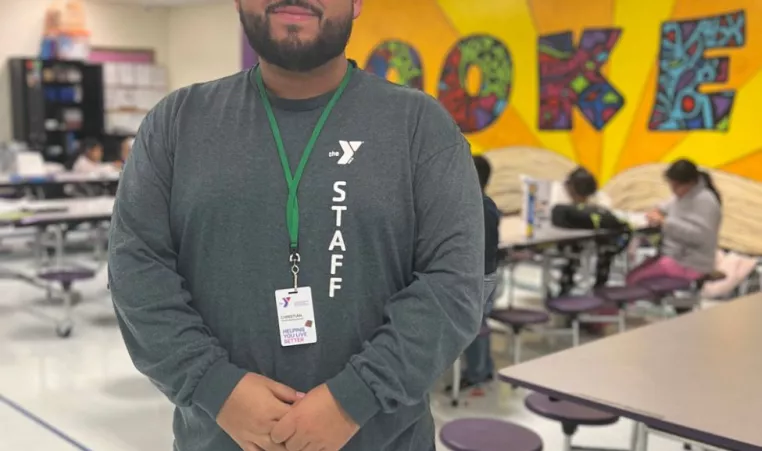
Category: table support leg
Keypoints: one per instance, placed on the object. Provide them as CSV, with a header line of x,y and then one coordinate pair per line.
x,y
59,246
641,437
568,442
575,332
516,347
622,319
634,437
455,393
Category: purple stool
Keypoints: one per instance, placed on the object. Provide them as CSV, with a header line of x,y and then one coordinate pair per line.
x,y
477,434
620,296
570,415
574,306
661,286
665,287
519,319
66,277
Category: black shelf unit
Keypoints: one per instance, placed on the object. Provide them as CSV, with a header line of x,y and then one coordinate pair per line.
x,y
55,105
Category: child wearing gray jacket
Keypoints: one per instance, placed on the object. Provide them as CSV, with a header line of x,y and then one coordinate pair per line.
x,y
690,226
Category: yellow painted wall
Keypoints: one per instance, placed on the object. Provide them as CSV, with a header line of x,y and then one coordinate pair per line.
x,y
731,143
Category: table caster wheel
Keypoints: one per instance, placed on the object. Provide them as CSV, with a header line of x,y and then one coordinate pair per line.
x,y
64,330
455,403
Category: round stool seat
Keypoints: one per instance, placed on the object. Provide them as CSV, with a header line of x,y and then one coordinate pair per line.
x,y
629,293
66,275
519,316
567,412
477,434
574,304
665,285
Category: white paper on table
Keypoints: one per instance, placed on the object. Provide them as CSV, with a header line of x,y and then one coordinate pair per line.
x,y
8,206
30,164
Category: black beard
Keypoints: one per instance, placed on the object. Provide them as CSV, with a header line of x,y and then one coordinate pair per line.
x,y
291,54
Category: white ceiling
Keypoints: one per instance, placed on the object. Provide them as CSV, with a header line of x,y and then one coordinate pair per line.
x,y
160,2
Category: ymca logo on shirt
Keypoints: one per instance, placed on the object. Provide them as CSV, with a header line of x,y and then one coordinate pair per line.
x,y
348,150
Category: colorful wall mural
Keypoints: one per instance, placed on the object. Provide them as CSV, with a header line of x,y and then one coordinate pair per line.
x,y
610,84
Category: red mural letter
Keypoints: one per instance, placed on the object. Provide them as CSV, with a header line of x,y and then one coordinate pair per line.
x,y
475,113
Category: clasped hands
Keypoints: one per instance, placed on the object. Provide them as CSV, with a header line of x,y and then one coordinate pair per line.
x,y
263,415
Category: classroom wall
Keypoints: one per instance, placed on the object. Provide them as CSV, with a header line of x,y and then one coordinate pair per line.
x,y
204,43
620,86
114,26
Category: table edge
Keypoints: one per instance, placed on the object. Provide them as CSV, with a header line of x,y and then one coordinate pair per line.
x,y
651,421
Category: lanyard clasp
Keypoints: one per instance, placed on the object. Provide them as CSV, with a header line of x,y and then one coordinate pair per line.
x,y
294,259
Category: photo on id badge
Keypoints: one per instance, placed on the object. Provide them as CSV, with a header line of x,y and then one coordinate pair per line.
x,y
296,316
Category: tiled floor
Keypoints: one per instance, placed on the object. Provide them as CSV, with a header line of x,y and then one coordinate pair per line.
x,y
83,392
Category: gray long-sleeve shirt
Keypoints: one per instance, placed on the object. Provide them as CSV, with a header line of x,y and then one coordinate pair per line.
x,y
391,242
691,229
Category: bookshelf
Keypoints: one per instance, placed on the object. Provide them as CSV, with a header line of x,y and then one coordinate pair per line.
x,y
55,105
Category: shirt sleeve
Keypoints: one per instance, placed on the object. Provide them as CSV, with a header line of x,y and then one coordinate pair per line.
x,y
166,338
431,321
666,205
693,229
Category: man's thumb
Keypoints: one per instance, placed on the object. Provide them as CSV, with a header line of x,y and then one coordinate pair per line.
x,y
285,393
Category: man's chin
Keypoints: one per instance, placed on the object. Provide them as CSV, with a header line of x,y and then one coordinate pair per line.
x,y
294,40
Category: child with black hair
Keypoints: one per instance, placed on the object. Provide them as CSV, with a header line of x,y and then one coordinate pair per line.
x,y
91,158
581,185
690,226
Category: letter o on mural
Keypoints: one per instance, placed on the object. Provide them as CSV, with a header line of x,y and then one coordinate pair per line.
x,y
401,57
476,112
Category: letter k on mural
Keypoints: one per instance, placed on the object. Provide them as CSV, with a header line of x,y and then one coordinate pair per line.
x,y
571,76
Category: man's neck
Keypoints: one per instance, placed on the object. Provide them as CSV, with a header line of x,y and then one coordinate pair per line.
x,y
303,85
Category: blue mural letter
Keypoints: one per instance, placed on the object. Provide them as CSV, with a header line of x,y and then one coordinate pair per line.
x,y
679,105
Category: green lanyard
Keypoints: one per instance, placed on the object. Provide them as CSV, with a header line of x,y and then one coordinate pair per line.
x,y
292,205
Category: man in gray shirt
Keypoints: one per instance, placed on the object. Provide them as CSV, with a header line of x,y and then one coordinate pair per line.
x,y
296,251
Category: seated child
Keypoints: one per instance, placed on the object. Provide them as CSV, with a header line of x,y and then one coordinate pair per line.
x,y
479,365
582,214
690,227
91,158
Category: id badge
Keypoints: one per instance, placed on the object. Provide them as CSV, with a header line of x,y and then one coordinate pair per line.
x,y
296,316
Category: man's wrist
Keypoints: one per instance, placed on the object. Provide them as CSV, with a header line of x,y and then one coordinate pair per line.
x,y
356,400
216,385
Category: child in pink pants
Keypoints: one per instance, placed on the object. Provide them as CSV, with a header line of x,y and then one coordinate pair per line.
x,y
689,224
662,266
